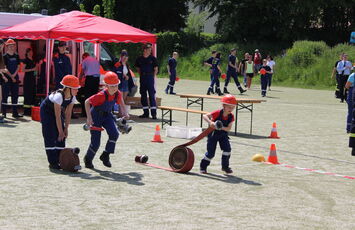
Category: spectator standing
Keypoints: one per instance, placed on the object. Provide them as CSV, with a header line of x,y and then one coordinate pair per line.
x,y
257,60
271,63
124,74
147,67
91,70
335,73
62,65
343,69
3,78
29,83
12,63
249,71
242,68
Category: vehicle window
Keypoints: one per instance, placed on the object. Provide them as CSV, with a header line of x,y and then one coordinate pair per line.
x,y
89,47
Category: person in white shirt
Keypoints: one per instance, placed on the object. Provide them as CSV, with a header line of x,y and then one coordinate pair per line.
x,y
271,63
343,69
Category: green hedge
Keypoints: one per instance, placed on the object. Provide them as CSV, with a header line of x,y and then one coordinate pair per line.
x,y
310,64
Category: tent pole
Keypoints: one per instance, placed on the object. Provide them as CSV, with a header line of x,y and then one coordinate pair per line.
x,y
97,50
49,49
155,50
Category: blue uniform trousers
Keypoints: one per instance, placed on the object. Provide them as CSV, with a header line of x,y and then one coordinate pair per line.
x,y
6,89
50,135
106,121
264,81
215,137
147,85
349,100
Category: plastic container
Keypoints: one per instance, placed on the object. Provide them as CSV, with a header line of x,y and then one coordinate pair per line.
x,y
182,132
35,113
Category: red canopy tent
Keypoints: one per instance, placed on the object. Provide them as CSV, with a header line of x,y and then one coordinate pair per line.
x,y
77,26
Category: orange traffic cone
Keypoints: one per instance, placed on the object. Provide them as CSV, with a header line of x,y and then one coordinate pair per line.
x,y
272,156
273,133
157,137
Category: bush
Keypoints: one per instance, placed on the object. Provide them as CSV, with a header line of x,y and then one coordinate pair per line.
x,y
309,64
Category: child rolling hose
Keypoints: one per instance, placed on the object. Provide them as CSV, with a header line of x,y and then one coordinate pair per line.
x,y
222,121
56,112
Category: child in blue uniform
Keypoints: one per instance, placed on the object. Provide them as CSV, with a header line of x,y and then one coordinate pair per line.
x,y
232,71
100,115
208,62
172,63
264,71
216,73
226,117
12,63
56,112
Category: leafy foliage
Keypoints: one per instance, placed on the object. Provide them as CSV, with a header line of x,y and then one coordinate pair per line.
x,y
277,20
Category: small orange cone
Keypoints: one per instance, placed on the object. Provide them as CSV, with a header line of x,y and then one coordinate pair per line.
x,y
272,156
157,137
273,133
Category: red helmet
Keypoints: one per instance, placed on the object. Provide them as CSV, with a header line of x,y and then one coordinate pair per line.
x,y
229,100
111,79
70,81
10,42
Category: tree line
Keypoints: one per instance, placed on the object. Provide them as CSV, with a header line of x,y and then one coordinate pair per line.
x,y
238,20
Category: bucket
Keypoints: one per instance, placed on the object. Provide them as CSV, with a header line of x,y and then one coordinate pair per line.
x,y
181,159
35,113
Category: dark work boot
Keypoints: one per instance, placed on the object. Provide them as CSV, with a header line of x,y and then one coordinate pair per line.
x,y
167,89
225,90
353,152
219,92
241,90
227,170
88,163
105,158
209,91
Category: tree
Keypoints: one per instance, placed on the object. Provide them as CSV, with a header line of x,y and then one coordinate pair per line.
x,y
109,6
96,11
276,20
195,23
155,16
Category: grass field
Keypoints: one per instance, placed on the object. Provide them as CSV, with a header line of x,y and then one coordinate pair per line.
x,y
311,124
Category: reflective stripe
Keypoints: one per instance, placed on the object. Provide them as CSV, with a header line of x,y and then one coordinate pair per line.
x,y
111,141
53,148
92,150
352,134
171,86
207,159
226,153
153,107
145,107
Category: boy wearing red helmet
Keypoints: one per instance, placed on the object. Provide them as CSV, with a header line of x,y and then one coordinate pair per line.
x,y
56,112
100,115
222,121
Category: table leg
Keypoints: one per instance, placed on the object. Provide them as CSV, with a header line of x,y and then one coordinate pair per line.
x,y
251,119
236,120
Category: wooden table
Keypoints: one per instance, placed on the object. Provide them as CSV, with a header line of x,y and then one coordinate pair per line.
x,y
243,104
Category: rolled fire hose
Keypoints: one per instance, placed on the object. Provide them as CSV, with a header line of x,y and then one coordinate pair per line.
x,y
181,158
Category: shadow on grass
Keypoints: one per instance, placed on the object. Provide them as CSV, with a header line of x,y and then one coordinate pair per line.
x,y
230,179
132,178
